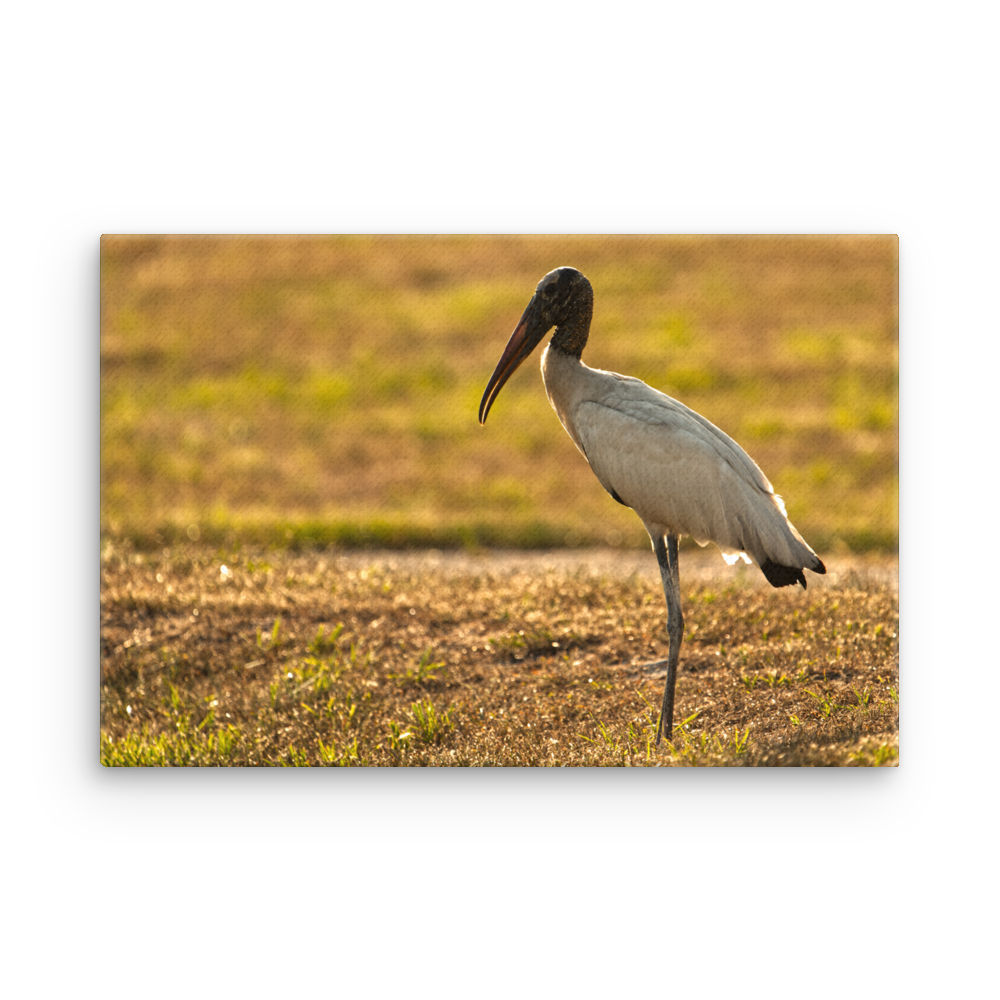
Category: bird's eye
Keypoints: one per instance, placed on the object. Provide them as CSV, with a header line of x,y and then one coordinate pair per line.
x,y
549,288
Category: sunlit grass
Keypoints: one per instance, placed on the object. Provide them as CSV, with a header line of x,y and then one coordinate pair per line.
x,y
259,385
231,657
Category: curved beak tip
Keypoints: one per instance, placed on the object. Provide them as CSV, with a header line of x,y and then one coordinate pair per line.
x,y
514,353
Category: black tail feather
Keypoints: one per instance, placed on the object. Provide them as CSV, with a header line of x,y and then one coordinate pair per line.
x,y
783,576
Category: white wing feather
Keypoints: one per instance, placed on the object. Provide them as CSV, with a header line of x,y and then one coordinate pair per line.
x,y
676,469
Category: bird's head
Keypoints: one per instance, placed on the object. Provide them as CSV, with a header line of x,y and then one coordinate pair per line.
x,y
564,299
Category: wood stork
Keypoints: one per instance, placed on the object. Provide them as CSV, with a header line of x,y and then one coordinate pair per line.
x,y
675,469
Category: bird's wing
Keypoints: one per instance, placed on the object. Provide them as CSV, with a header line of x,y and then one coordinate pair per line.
x,y
647,405
672,466
669,421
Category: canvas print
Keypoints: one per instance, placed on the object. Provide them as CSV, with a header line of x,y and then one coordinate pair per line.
x,y
499,501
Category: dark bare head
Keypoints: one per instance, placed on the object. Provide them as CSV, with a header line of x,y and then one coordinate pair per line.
x,y
563,299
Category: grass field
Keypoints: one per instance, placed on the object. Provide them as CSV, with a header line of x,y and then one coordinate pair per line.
x,y
223,658
268,403
302,392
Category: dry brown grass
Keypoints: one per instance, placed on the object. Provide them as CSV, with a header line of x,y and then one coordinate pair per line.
x,y
482,668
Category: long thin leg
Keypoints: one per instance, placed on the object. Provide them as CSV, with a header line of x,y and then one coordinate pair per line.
x,y
666,556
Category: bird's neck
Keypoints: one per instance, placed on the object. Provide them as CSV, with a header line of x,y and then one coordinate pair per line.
x,y
571,335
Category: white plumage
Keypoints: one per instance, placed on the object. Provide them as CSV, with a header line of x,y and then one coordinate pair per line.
x,y
673,467
677,470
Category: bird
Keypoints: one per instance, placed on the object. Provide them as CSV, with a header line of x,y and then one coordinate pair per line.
x,y
672,466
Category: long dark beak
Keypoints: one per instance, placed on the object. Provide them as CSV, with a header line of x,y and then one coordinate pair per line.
x,y
528,332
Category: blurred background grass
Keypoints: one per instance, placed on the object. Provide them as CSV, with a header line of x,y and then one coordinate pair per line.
x,y
303,391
